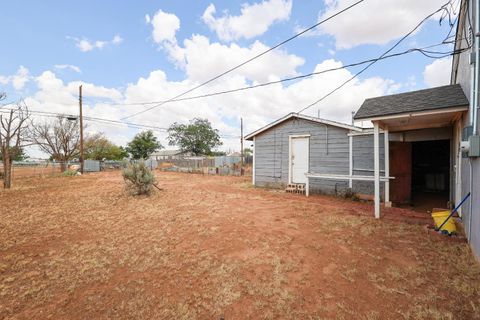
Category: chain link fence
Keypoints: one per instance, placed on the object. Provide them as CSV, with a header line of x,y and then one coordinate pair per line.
x,y
224,165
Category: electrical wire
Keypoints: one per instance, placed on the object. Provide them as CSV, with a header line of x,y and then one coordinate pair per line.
x,y
105,121
247,61
423,51
442,8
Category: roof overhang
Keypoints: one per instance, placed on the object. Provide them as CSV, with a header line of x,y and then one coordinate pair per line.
x,y
304,117
443,117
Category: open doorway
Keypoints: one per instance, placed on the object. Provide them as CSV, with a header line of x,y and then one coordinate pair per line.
x,y
430,174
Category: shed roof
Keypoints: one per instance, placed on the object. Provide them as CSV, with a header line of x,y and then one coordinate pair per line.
x,y
301,116
415,101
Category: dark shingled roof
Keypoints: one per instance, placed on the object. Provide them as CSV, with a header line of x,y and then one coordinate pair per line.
x,y
414,101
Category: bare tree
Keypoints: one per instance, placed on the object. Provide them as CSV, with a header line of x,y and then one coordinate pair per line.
x,y
13,125
59,138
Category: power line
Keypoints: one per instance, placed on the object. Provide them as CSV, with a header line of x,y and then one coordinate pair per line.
x,y
106,121
428,53
247,61
442,8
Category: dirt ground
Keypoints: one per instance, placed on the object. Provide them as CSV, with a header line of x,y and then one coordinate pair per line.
x,y
211,247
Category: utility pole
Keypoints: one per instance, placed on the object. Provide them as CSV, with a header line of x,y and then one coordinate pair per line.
x,y
81,127
241,146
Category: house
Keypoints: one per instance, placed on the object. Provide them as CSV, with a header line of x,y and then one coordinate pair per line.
x,y
433,135
423,149
288,149
168,155
466,73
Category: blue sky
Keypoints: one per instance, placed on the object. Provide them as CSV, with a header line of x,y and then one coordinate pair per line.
x,y
129,57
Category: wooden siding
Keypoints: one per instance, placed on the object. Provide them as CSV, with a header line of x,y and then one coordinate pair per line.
x,y
363,162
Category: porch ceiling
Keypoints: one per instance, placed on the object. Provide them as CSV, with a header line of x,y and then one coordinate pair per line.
x,y
420,120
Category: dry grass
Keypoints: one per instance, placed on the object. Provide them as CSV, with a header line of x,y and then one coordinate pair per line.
x,y
208,247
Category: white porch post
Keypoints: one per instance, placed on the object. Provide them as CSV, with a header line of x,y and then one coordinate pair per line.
x,y
253,162
350,161
387,167
307,187
376,169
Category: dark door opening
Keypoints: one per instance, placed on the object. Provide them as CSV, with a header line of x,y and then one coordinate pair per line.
x,y
401,169
430,174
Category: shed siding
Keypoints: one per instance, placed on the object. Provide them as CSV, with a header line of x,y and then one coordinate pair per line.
x,y
272,151
363,162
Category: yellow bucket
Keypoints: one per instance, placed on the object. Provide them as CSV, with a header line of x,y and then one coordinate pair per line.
x,y
439,218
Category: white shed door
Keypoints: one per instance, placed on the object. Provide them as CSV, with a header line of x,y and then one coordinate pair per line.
x,y
299,159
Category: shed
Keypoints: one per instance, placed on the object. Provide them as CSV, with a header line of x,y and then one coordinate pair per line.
x,y
288,149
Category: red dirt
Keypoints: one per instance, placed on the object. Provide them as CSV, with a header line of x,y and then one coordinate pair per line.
x,y
210,246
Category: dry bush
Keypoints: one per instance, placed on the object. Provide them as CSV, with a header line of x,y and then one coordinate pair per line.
x,y
139,179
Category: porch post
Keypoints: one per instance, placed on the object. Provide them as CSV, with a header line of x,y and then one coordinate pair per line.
x,y
253,162
307,187
376,168
350,161
387,167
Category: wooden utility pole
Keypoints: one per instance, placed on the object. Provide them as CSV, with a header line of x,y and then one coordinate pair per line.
x,y
81,127
241,146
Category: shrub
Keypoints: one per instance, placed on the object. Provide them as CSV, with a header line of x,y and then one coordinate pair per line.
x,y
139,179
69,173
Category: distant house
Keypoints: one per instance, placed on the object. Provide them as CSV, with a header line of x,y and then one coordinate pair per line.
x,y
168,155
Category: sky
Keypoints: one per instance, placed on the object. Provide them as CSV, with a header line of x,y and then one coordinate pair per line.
x,y
126,52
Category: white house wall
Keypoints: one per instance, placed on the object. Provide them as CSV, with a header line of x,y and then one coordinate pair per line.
x,y
470,167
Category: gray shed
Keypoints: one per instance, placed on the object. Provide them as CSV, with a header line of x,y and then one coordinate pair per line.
x,y
298,149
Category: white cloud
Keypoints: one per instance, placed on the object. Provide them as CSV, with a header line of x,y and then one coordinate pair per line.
x,y
68,66
374,21
17,80
117,39
165,25
86,45
20,78
4,80
254,20
200,59
203,59
437,73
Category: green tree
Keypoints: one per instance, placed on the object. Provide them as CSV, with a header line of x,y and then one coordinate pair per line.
x,y
197,137
98,147
247,152
143,145
16,154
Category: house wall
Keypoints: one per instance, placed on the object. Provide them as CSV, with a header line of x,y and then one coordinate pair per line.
x,y
470,167
272,151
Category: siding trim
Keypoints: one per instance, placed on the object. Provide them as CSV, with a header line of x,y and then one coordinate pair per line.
x,y
304,117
